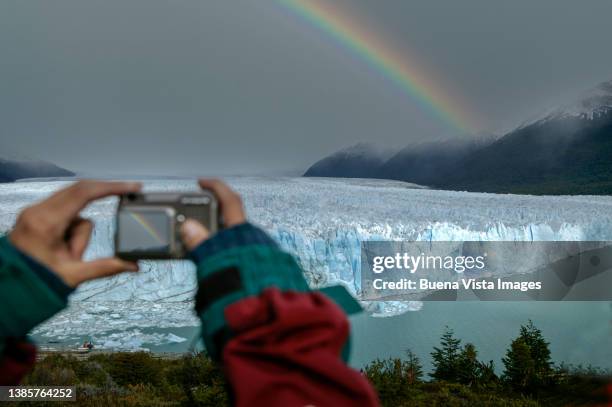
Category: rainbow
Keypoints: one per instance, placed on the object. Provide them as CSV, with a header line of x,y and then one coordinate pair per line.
x,y
146,226
404,72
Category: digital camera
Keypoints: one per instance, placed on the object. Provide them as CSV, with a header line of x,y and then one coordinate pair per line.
x,y
148,224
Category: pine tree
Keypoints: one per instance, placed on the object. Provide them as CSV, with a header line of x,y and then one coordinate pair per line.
x,y
486,374
468,365
539,350
413,367
519,365
528,363
446,357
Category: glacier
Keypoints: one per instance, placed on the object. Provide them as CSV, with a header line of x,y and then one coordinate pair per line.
x,y
321,221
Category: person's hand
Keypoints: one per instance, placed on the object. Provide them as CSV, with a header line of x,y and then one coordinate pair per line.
x,y
193,232
53,233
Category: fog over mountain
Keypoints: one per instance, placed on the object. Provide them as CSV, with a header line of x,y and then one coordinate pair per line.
x,y
428,162
568,150
363,160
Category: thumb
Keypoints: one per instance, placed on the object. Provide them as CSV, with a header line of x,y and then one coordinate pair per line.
x,y
193,233
102,268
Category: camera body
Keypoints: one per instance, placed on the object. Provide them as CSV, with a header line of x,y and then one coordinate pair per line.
x,y
148,224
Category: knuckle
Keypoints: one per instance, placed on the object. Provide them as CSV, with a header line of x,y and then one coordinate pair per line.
x,y
236,198
32,220
26,214
218,185
82,187
28,217
233,203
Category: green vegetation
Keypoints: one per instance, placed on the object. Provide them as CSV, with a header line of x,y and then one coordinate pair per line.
x,y
562,157
133,379
527,362
458,378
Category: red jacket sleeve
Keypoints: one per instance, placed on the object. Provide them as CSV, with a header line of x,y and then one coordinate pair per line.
x,y
286,352
29,294
17,360
279,342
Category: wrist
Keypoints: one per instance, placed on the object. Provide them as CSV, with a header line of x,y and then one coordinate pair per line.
x,y
239,262
240,235
54,281
29,289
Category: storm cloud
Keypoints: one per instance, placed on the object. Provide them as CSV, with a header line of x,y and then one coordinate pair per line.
x,y
238,87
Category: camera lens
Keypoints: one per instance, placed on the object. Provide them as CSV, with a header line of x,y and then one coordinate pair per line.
x,y
131,197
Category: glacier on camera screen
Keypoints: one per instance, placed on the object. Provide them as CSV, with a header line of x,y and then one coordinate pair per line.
x,y
321,221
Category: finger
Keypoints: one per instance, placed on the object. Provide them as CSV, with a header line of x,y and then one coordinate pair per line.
x,y
102,268
78,236
68,202
193,233
230,202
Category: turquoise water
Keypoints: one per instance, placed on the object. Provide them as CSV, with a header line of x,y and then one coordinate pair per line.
x,y
578,332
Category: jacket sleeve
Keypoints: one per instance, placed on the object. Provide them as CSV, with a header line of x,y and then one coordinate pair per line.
x,y
279,342
29,294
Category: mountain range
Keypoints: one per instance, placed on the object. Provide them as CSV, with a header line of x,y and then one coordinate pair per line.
x,y
568,150
12,170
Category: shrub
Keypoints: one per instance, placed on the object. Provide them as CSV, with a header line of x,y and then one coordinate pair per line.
x,y
135,368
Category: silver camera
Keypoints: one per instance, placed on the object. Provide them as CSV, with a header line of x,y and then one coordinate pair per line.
x,y
148,224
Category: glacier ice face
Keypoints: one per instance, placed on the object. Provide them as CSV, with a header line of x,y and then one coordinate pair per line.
x,y
322,222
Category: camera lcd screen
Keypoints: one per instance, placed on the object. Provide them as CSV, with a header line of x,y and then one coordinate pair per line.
x,y
144,230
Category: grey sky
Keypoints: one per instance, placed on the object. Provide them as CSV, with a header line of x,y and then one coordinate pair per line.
x,y
240,86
